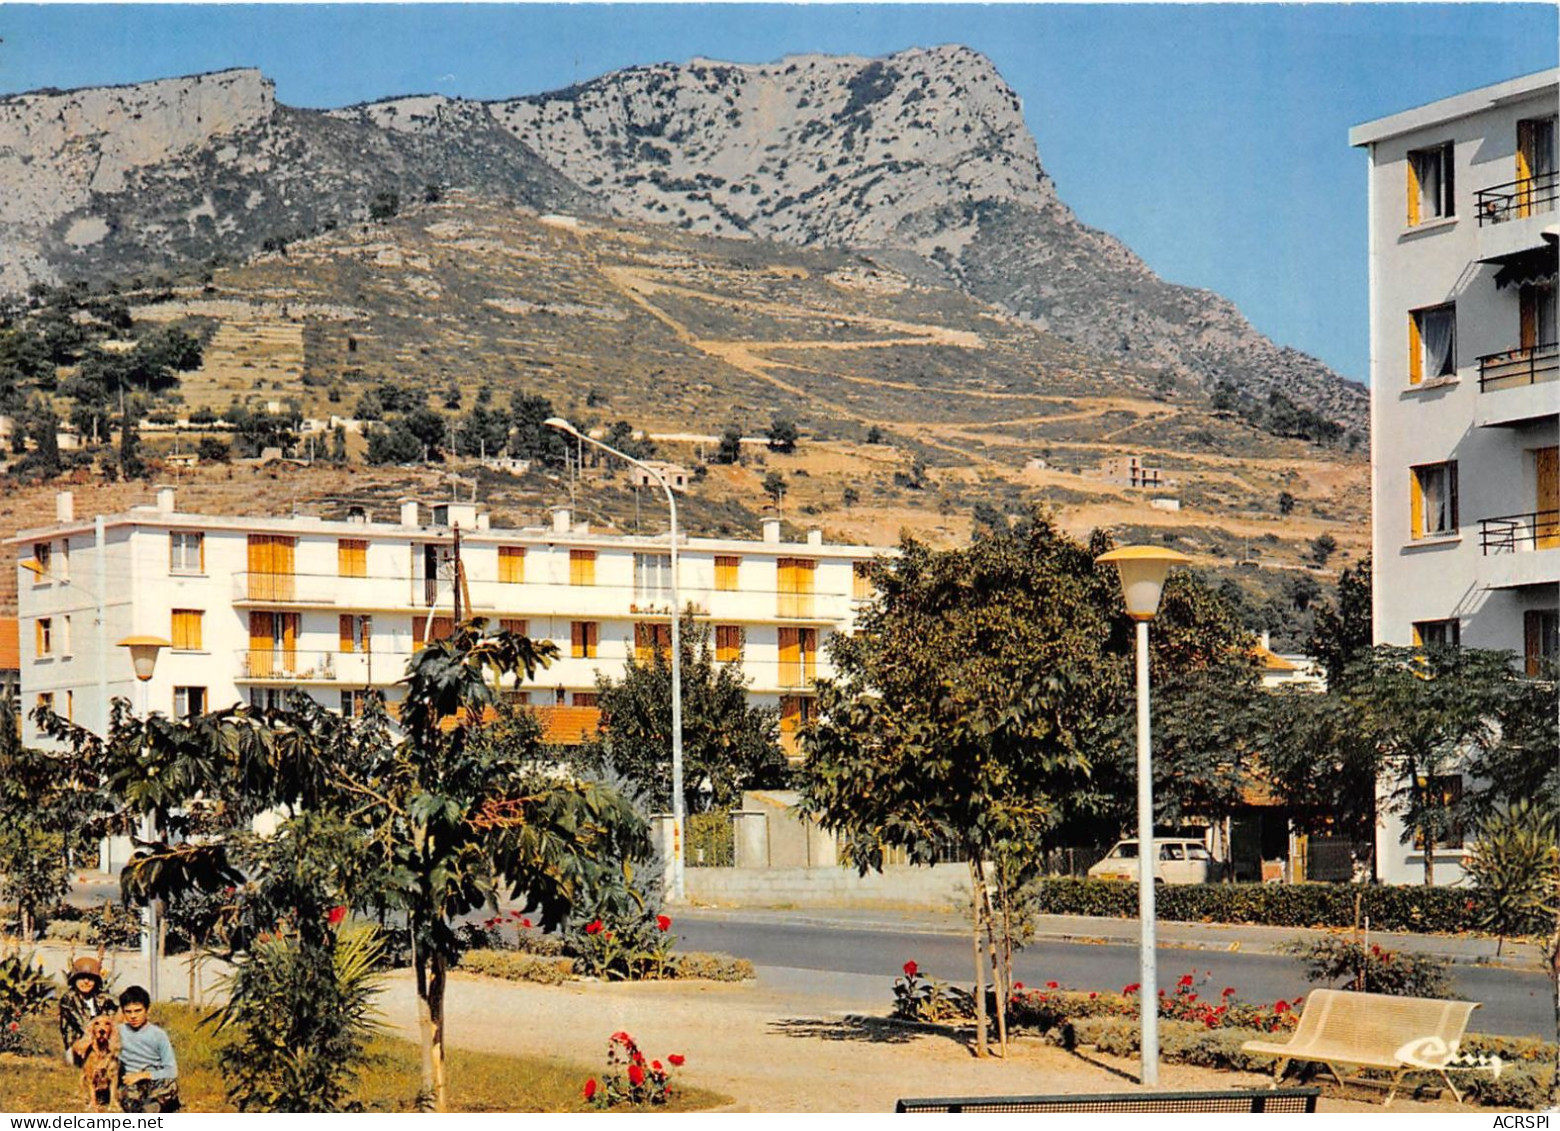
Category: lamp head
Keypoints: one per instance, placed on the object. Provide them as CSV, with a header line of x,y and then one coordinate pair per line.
x,y
1143,571
143,653
561,425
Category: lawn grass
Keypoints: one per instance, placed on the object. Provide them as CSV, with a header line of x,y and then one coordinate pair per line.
x,y
388,1082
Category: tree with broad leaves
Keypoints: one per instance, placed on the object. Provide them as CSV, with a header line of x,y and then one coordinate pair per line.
x,y
727,743
1341,630
457,822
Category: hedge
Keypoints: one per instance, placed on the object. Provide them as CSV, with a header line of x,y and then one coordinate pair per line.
x,y
554,968
1436,910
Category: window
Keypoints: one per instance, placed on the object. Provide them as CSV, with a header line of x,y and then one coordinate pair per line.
x,y
584,698
188,702
726,566
352,557
795,712
1536,306
355,632
652,577
44,636
798,656
515,698
352,704
1535,165
271,567
650,639
795,577
62,636
46,700
728,643
517,625
1438,633
1430,184
511,565
62,564
1541,641
1440,798
186,551
425,629
582,567
1432,343
1433,490
43,554
267,698
861,587
273,643
186,634
583,635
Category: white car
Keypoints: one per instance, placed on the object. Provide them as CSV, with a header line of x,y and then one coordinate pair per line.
x,y
1182,860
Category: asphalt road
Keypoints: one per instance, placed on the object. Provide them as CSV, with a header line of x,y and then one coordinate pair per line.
x,y
1515,1002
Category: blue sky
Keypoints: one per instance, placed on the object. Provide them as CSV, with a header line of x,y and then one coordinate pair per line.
x,y
1212,139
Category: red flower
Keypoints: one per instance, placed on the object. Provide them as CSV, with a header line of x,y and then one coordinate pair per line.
x,y
636,1075
1186,980
622,1038
911,969
1280,1006
336,915
590,1088
663,922
13,1026
655,1066
525,923
1093,995
676,1060
1017,986
593,927
1128,991
1228,991
1052,986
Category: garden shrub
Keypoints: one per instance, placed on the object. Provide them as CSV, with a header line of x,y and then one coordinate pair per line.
x,y
1343,962
68,931
24,989
517,966
114,926
712,967
1389,907
625,946
924,998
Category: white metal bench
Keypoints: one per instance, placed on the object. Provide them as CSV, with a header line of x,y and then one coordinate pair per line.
x,y
1396,1034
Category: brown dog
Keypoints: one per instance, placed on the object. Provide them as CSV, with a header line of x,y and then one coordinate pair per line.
x,y
100,1069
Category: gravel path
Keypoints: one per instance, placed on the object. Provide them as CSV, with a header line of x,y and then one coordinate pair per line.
x,y
777,1046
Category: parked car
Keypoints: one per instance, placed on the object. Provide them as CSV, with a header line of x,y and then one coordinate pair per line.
x,y
1182,860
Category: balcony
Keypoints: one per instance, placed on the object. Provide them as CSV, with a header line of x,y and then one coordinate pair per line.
x,y
1516,200
1526,365
1520,550
308,666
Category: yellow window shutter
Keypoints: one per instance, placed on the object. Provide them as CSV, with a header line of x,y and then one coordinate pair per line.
x,y
1416,495
511,564
582,567
1525,134
290,637
1413,190
790,657
1419,637
352,557
1416,352
726,571
344,623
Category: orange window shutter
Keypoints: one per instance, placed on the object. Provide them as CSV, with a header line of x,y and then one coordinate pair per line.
x,y
38,647
344,623
259,567
1546,470
261,660
441,628
511,564
790,657
1416,352
1525,139
582,567
577,639
352,557
1416,496
728,643
290,637
516,625
1413,190
591,635
809,648
726,567
419,632
785,575
1419,636
1527,305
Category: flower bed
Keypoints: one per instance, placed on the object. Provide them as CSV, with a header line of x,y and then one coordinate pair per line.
x,y
557,968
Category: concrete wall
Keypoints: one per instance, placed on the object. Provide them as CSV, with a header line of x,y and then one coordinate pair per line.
x,y
941,887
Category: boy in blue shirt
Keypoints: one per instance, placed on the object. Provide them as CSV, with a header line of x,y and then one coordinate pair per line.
x,y
151,1074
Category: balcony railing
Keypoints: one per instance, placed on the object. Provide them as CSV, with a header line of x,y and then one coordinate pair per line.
x,y
1526,365
1517,533
1517,199
308,665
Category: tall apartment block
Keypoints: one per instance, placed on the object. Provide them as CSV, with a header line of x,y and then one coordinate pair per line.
x,y
1465,424
254,607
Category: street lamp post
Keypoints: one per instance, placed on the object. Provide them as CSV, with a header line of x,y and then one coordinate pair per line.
x,y
143,658
677,886
1143,570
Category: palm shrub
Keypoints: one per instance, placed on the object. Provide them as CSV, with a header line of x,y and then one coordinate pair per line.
x,y
302,1011
1512,867
24,989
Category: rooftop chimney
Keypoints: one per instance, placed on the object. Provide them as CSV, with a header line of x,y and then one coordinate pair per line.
x,y
64,506
165,500
771,527
815,537
562,520
408,512
484,521
1267,640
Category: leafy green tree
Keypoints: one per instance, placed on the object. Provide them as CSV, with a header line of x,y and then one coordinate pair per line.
x,y
774,487
459,823
1513,867
212,450
1316,760
1286,503
394,444
730,449
783,434
384,206
1323,546
41,426
429,429
532,439
483,430
727,744
1341,631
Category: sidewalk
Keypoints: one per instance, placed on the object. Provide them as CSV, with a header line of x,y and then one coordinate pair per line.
x,y
1250,939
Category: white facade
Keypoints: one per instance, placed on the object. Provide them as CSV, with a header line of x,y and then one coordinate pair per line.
x,y
257,606
1464,402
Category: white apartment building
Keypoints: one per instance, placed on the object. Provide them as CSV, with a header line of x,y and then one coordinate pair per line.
x,y
1465,404
254,607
